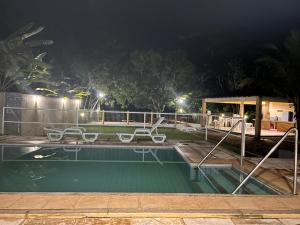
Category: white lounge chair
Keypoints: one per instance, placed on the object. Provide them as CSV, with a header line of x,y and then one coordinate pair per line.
x,y
55,134
144,132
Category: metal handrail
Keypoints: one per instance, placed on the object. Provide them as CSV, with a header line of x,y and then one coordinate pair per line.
x,y
270,152
227,134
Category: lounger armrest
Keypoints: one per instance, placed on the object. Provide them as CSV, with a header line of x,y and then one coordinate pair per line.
x,y
80,128
142,130
53,130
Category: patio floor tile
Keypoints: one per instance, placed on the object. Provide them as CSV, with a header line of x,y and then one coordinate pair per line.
x,y
156,202
61,202
50,222
242,203
256,221
208,221
212,203
290,221
30,202
156,221
7,200
90,202
120,201
11,221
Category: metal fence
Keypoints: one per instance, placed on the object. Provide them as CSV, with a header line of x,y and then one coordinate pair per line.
x,y
31,121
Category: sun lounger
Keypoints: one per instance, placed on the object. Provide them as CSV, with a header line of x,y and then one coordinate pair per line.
x,y
144,132
55,134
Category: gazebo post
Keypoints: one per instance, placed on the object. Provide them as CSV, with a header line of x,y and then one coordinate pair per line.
x,y
258,111
242,109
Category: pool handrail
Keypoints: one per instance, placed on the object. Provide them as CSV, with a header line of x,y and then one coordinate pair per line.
x,y
293,129
227,134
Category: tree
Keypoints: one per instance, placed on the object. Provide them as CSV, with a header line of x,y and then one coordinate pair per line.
x,y
278,71
145,79
18,64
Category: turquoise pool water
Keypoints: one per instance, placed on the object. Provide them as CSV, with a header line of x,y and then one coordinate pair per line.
x,y
89,169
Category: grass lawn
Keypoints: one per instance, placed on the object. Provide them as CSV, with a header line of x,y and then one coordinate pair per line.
x,y
172,133
232,143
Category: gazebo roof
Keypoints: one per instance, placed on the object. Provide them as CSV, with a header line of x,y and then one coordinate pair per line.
x,y
247,100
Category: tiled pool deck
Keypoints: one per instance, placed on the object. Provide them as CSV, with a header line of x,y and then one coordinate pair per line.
x,y
37,207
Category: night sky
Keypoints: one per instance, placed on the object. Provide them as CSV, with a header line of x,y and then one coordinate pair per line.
x,y
85,26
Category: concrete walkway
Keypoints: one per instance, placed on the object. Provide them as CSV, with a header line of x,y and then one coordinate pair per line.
x,y
149,221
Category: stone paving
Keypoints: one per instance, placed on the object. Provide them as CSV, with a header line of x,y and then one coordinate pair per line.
x,y
149,221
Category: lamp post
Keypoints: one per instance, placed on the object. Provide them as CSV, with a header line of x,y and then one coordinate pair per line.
x,y
178,102
100,96
77,102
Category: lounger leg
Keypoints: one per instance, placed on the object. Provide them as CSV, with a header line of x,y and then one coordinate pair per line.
x,y
158,139
91,139
54,136
123,138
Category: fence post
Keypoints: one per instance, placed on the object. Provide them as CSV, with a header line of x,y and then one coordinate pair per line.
x,y
144,120
2,128
151,118
127,118
243,140
77,116
103,117
206,126
175,119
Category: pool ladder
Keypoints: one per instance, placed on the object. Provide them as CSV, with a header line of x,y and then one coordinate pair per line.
x,y
243,141
295,130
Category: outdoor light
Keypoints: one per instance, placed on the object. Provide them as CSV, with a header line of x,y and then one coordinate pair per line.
x,y
222,115
180,100
263,103
181,110
63,100
36,98
101,95
77,101
246,117
82,114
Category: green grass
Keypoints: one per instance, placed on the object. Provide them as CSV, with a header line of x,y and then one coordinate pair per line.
x,y
171,133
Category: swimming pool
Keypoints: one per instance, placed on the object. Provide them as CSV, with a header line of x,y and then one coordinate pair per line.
x,y
114,169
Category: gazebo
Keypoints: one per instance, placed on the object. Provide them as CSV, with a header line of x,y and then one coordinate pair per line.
x,y
271,113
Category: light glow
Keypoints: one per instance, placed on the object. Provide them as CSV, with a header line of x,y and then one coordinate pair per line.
x,y
36,98
63,100
82,114
101,94
77,101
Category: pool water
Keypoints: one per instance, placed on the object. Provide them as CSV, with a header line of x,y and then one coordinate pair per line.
x,y
89,169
